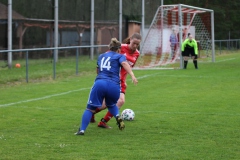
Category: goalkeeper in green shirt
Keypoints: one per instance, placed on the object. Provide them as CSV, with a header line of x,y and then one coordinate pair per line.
x,y
190,48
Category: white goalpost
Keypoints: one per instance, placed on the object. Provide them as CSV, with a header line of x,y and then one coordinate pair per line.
x,y
169,28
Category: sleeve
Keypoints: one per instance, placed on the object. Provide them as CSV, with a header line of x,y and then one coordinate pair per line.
x,y
196,48
183,45
97,66
122,58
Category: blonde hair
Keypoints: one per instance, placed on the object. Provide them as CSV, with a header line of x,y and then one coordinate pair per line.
x,y
114,44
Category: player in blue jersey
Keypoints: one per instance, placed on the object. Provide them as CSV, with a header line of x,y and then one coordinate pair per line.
x,y
107,85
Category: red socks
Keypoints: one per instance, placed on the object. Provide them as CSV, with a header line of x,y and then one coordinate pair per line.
x,y
108,116
96,111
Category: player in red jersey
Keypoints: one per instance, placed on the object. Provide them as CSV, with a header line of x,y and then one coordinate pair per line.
x,y
130,50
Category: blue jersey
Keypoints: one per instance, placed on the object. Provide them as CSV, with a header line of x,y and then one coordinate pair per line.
x,y
109,65
107,82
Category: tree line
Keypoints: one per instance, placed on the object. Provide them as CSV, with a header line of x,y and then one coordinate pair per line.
x,y
225,12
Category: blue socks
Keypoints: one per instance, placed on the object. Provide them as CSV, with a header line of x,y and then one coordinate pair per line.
x,y
86,117
114,111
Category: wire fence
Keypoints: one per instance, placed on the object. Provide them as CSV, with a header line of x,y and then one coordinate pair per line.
x,y
221,47
69,51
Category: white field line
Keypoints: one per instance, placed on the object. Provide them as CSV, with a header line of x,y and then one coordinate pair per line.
x,y
229,59
188,113
41,98
54,95
59,94
225,60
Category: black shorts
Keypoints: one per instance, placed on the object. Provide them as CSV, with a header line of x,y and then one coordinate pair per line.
x,y
189,52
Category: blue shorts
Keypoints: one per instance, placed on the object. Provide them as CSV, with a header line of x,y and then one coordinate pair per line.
x,y
103,89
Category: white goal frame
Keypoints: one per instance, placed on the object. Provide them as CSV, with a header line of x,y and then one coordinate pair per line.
x,y
181,8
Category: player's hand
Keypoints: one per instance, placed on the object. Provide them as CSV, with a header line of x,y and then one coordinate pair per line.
x,y
134,80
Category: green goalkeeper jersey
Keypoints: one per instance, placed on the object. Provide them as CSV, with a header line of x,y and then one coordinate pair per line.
x,y
189,43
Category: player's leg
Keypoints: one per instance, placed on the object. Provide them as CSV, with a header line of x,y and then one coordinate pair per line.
x,y
172,50
185,55
115,111
85,120
95,100
185,58
108,115
195,61
111,99
98,110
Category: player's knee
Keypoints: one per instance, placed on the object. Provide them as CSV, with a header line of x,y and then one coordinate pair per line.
x,y
91,108
102,107
120,102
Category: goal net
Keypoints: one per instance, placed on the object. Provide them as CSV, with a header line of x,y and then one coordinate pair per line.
x,y
161,46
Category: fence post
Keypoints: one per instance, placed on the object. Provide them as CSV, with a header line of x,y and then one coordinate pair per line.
x,y
54,63
220,47
27,66
77,55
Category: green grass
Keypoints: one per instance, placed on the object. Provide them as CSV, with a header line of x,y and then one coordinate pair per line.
x,y
42,70
180,114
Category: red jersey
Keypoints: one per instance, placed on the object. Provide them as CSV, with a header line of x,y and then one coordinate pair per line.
x,y
131,57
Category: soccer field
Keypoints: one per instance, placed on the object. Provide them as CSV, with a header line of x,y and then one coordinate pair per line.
x,y
180,114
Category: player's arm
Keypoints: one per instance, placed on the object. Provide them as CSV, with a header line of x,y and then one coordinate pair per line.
x,y
97,69
196,48
127,67
184,44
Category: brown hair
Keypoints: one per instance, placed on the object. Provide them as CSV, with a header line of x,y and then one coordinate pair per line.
x,y
114,44
134,35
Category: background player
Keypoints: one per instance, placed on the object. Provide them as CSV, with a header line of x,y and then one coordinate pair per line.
x,y
190,48
106,85
173,43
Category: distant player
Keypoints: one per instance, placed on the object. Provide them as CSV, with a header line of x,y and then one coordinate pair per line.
x,y
130,50
190,48
107,85
173,43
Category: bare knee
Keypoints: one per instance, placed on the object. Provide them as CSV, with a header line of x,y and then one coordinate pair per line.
x,y
103,106
120,102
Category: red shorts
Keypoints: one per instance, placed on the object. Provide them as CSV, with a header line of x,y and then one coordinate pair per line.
x,y
123,87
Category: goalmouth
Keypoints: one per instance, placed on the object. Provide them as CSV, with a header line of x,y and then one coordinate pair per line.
x,y
161,47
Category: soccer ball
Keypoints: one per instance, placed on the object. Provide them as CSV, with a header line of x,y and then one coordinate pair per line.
x,y
128,114
18,65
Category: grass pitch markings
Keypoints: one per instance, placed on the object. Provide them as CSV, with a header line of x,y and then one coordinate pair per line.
x,y
59,94
187,113
225,60
81,89
41,98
